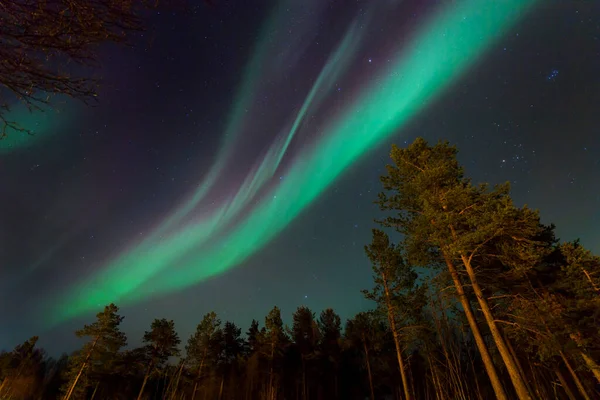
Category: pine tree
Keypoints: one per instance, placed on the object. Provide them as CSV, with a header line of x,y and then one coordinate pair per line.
x,y
395,293
442,212
204,347
162,343
101,351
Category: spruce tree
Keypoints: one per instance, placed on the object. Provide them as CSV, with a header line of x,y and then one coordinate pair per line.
x,y
274,340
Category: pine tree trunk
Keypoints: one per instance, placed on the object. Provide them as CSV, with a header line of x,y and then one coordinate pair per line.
x,y
194,391
143,387
564,384
518,363
392,320
199,375
481,346
591,364
95,390
87,358
174,395
576,379
435,379
513,371
368,368
221,387
144,382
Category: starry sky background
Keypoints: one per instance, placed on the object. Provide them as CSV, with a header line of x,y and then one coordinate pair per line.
x,y
101,178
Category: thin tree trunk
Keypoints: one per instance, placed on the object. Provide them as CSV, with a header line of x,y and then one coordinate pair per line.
x,y
199,375
513,371
564,384
455,379
87,359
435,379
481,346
95,390
591,364
143,387
368,368
576,379
271,372
145,381
392,320
518,364
477,388
194,391
589,278
177,381
221,387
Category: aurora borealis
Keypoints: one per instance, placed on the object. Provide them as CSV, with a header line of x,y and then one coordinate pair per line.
x,y
279,127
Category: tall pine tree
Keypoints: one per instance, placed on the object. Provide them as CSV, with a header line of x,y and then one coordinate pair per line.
x,y
105,341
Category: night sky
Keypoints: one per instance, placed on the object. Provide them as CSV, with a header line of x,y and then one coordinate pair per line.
x,y
233,160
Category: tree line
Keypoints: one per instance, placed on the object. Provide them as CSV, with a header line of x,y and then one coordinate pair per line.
x,y
476,299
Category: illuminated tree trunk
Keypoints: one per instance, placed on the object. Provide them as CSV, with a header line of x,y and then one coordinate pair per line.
x,y
518,364
221,387
392,320
564,384
511,367
271,372
95,391
145,381
87,359
591,364
177,381
481,346
576,379
199,375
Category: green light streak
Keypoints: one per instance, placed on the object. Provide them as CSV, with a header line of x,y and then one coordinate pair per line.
x,y
131,270
441,52
233,128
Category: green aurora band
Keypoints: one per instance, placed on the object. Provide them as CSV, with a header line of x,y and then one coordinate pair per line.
x,y
41,124
441,51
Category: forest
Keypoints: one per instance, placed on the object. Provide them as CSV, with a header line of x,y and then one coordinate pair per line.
x,y
474,298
